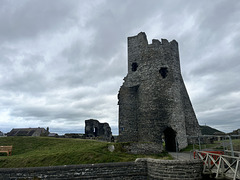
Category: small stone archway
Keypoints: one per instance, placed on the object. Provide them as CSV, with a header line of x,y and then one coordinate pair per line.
x,y
170,139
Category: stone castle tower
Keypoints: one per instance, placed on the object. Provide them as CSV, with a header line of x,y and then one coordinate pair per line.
x,y
153,101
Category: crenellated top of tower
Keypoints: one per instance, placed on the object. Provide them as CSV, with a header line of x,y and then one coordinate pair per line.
x,y
146,60
140,41
159,54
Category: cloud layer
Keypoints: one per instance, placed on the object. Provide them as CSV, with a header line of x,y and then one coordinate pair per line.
x,y
62,62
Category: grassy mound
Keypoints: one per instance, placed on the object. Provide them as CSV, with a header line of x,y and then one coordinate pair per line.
x,y
44,151
207,130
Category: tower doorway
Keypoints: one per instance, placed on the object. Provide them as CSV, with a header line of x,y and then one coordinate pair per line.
x,y
170,139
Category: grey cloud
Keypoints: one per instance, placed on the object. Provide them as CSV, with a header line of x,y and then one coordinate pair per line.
x,y
48,113
88,70
62,83
27,82
220,16
225,118
113,21
22,75
25,19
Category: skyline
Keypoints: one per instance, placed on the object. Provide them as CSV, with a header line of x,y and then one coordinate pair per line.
x,y
63,62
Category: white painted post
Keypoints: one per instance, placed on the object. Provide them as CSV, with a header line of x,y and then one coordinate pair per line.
x,y
199,143
231,145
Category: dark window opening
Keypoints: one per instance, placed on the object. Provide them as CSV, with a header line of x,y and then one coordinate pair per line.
x,y
163,71
170,139
134,66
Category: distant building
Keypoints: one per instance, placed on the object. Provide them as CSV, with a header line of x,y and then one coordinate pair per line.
x,y
220,135
235,133
52,135
1,133
74,135
29,132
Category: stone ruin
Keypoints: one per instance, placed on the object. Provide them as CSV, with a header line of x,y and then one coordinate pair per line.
x,y
154,105
95,129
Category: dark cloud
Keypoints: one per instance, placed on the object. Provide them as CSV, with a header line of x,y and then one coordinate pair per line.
x,y
62,62
30,18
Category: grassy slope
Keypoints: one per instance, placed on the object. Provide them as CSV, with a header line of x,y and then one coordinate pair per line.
x,y
236,144
40,151
217,146
207,130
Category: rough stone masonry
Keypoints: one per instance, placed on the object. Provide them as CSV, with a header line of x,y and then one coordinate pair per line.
x,y
153,102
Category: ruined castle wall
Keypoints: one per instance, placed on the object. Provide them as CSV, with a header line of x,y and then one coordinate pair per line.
x,y
93,128
153,96
128,113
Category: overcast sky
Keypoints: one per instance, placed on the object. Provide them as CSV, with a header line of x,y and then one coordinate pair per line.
x,y
62,62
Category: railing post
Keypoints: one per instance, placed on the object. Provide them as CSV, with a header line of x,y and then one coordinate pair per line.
x,y
231,145
236,170
199,143
221,163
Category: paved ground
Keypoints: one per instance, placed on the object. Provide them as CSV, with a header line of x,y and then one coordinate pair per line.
x,y
181,156
185,155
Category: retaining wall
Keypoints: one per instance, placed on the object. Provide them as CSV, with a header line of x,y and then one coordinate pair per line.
x,y
174,169
144,168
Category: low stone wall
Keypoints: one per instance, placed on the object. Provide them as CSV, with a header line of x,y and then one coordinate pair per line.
x,y
118,171
174,169
144,168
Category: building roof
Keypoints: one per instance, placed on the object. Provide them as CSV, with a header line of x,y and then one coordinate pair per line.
x,y
26,131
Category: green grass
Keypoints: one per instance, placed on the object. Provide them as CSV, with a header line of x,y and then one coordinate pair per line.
x,y
203,146
216,146
236,144
44,151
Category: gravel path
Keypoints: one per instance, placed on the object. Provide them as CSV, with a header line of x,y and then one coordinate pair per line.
x,y
182,156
